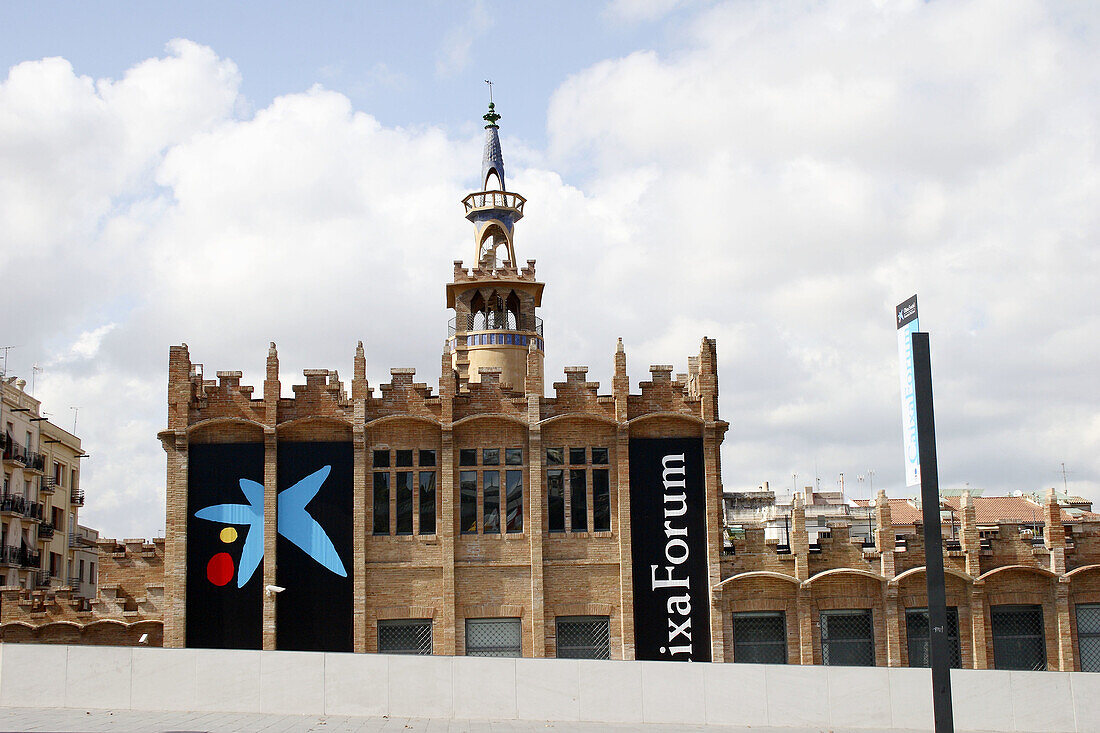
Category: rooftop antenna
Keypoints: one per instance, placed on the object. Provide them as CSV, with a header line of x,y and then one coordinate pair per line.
x,y
35,369
490,90
1065,483
76,414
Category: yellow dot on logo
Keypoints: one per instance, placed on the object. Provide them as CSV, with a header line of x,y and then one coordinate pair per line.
x,y
228,535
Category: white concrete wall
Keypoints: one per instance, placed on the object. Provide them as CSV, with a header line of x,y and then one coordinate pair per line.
x,y
539,689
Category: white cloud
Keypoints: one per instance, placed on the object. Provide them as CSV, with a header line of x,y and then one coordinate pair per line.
x,y
778,184
638,11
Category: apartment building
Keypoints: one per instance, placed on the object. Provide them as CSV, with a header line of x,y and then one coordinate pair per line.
x,y
41,495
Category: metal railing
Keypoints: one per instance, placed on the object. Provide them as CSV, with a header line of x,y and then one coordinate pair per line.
x,y
42,578
77,497
75,581
49,484
45,531
33,511
494,200
15,451
495,321
13,503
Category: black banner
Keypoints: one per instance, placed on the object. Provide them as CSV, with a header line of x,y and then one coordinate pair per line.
x,y
224,609
669,544
314,611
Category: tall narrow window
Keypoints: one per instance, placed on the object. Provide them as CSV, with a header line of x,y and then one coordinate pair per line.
x,y
514,495
427,502
467,493
491,497
381,503
917,636
847,638
1018,638
1088,636
404,491
760,637
601,500
555,499
578,497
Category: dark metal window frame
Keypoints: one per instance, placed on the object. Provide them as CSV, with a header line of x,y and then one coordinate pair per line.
x,y
752,647
1009,648
583,637
392,632
1088,636
840,649
495,650
917,639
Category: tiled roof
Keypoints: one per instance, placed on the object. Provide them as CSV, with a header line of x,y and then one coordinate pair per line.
x,y
987,509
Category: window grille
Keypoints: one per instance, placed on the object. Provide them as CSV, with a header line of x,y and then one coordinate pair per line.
x,y
493,637
405,636
584,637
1088,636
1018,639
917,633
760,637
847,638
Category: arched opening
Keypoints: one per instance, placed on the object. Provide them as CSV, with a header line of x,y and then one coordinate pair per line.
x,y
493,250
492,180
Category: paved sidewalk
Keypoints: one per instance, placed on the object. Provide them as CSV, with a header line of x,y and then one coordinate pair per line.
x,y
94,721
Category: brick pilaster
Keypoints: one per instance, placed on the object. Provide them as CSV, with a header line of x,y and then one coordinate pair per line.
x,y
977,628
1054,533
893,632
804,603
800,539
1066,661
448,490
359,528
626,568
884,534
971,540
175,540
271,532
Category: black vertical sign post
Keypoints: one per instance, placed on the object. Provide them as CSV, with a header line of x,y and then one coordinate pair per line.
x,y
933,540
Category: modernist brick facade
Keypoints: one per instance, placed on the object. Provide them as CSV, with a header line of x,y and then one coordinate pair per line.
x,y
489,429
988,569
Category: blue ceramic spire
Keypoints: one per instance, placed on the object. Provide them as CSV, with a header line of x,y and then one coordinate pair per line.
x,y
493,160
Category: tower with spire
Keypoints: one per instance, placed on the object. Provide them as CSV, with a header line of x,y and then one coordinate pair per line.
x,y
494,328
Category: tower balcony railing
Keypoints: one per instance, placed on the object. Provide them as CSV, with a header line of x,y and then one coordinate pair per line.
x,y
476,322
77,497
494,200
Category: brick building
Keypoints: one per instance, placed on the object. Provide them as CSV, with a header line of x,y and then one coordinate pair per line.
x,y
1016,599
484,518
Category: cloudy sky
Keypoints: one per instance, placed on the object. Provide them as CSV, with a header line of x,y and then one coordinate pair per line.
x,y
774,175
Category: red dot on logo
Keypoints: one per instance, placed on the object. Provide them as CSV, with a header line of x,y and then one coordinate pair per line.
x,y
219,570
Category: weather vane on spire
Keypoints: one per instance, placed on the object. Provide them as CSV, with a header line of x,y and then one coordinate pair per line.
x,y
492,115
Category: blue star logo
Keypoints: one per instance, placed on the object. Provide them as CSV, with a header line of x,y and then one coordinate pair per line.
x,y
295,523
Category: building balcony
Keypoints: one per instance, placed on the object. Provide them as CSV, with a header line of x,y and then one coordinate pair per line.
x,y
42,579
488,200
48,484
45,531
493,322
33,511
9,555
77,497
29,558
13,504
74,582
